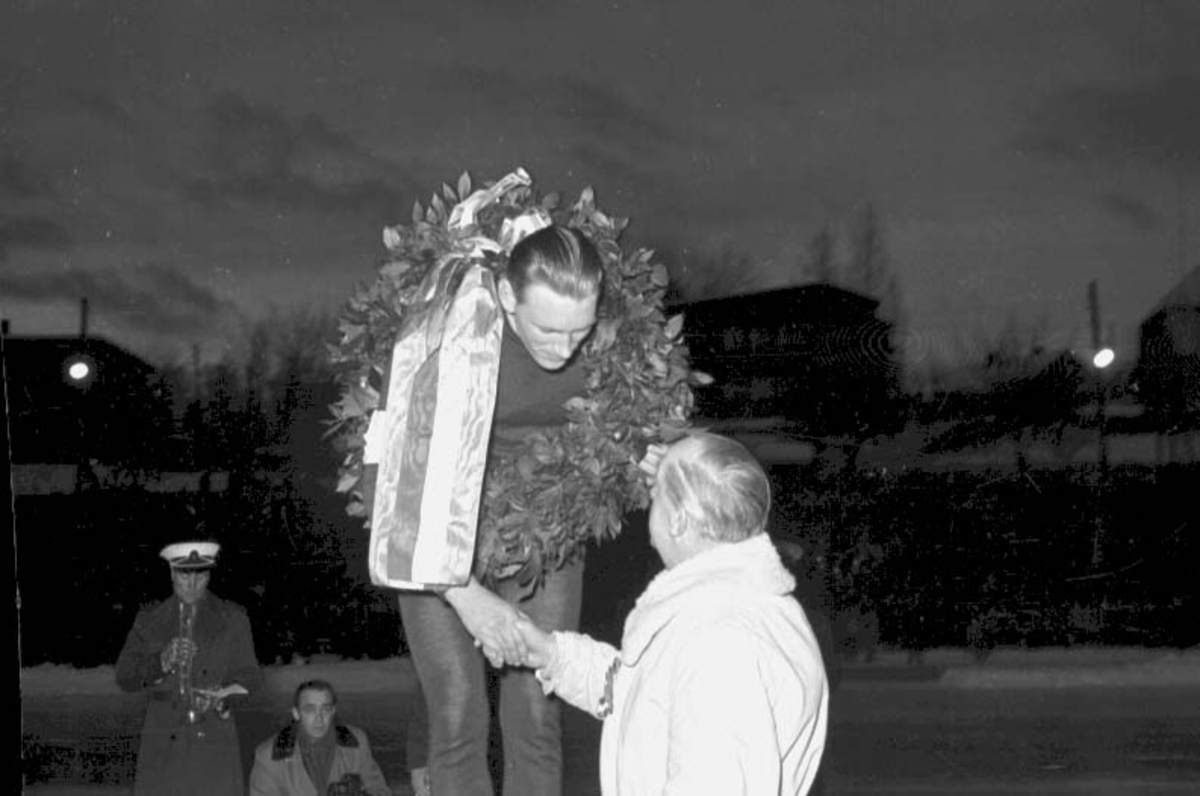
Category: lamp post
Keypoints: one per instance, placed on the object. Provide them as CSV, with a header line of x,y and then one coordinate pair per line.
x,y
1102,359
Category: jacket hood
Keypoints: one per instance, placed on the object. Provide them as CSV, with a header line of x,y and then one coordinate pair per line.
x,y
728,574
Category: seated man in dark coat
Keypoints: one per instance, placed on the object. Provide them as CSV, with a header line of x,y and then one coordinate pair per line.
x,y
314,749
193,655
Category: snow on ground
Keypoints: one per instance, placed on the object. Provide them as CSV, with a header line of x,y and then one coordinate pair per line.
x,y
1003,668
1079,668
392,674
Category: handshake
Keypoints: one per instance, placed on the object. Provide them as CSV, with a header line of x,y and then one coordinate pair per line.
x,y
504,633
521,643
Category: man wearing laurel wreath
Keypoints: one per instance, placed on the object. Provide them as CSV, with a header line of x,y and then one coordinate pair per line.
x,y
525,373
548,294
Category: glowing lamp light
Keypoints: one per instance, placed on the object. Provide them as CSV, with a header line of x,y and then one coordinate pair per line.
x,y
1103,358
79,370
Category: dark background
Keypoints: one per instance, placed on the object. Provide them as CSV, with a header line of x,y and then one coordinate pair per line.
x,y
926,550
914,560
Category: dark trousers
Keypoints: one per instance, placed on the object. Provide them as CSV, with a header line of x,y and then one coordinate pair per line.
x,y
453,680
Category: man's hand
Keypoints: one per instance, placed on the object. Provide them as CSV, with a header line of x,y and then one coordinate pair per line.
x,y
491,621
540,645
177,652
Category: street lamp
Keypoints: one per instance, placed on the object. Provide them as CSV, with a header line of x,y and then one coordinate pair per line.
x,y
80,370
1101,360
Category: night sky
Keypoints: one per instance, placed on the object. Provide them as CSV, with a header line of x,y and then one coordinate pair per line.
x,y
188,165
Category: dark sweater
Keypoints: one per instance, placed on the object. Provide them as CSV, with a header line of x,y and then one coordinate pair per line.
x,y
318,757
527,394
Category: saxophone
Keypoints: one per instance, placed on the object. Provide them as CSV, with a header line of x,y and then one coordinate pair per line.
x,y
185,695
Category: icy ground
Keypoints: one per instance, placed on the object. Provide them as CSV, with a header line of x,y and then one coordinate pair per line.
x,y
1003,668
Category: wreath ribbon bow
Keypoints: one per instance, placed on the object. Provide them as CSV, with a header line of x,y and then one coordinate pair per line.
x,y
430,441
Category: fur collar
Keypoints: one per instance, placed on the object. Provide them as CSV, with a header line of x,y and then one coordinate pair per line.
x,y
285,741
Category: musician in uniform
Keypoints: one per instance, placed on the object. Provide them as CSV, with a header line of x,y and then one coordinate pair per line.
x,y
193,656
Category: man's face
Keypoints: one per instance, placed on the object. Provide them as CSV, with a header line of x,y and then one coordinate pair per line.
x,y
190,585
552,326
315,712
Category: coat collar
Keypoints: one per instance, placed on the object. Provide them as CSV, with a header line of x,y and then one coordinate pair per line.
x,y
728,574
285,741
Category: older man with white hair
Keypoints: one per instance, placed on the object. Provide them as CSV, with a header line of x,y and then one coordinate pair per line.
x,y
718,686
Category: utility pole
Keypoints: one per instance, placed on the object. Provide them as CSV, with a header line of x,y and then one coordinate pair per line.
x,y
1099,373
1100,370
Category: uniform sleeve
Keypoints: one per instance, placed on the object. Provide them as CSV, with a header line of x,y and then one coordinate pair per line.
x,y
265,777
373,780
140,663
721,727
243,665
581,672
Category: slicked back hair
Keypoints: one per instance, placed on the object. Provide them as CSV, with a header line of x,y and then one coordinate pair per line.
x,y
560,258
314,685
718,484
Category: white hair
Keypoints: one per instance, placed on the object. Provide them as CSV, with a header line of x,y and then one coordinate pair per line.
x,y
718,484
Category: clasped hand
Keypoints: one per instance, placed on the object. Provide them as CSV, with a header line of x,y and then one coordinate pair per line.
x,y
507,636
504,633
177,652
207,701
535,648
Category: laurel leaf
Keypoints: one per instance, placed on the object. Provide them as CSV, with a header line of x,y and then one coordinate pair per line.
x,y
674,327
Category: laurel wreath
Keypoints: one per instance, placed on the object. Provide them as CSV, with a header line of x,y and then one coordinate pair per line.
x,y
563,485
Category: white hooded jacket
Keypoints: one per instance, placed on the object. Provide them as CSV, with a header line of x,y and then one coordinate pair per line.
x,y
718,687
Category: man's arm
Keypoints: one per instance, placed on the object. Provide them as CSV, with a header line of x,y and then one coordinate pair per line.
x,y
490,620
576,667
140,663
242,667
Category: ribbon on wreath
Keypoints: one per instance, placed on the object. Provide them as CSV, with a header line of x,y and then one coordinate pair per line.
x,y
428,439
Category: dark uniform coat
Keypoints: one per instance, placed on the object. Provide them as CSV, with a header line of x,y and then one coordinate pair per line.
x,y
175,758
279,768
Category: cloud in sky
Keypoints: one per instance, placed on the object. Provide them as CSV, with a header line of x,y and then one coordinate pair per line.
x,y
258,148
32,232
20,180
1155,124
581,126
1139,215
147,298
103,109
604,114
256,153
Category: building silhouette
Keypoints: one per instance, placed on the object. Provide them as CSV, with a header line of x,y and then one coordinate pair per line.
x,y
817,356
74,399
1168,369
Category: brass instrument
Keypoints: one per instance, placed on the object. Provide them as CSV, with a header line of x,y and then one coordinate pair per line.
x,y
185,694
